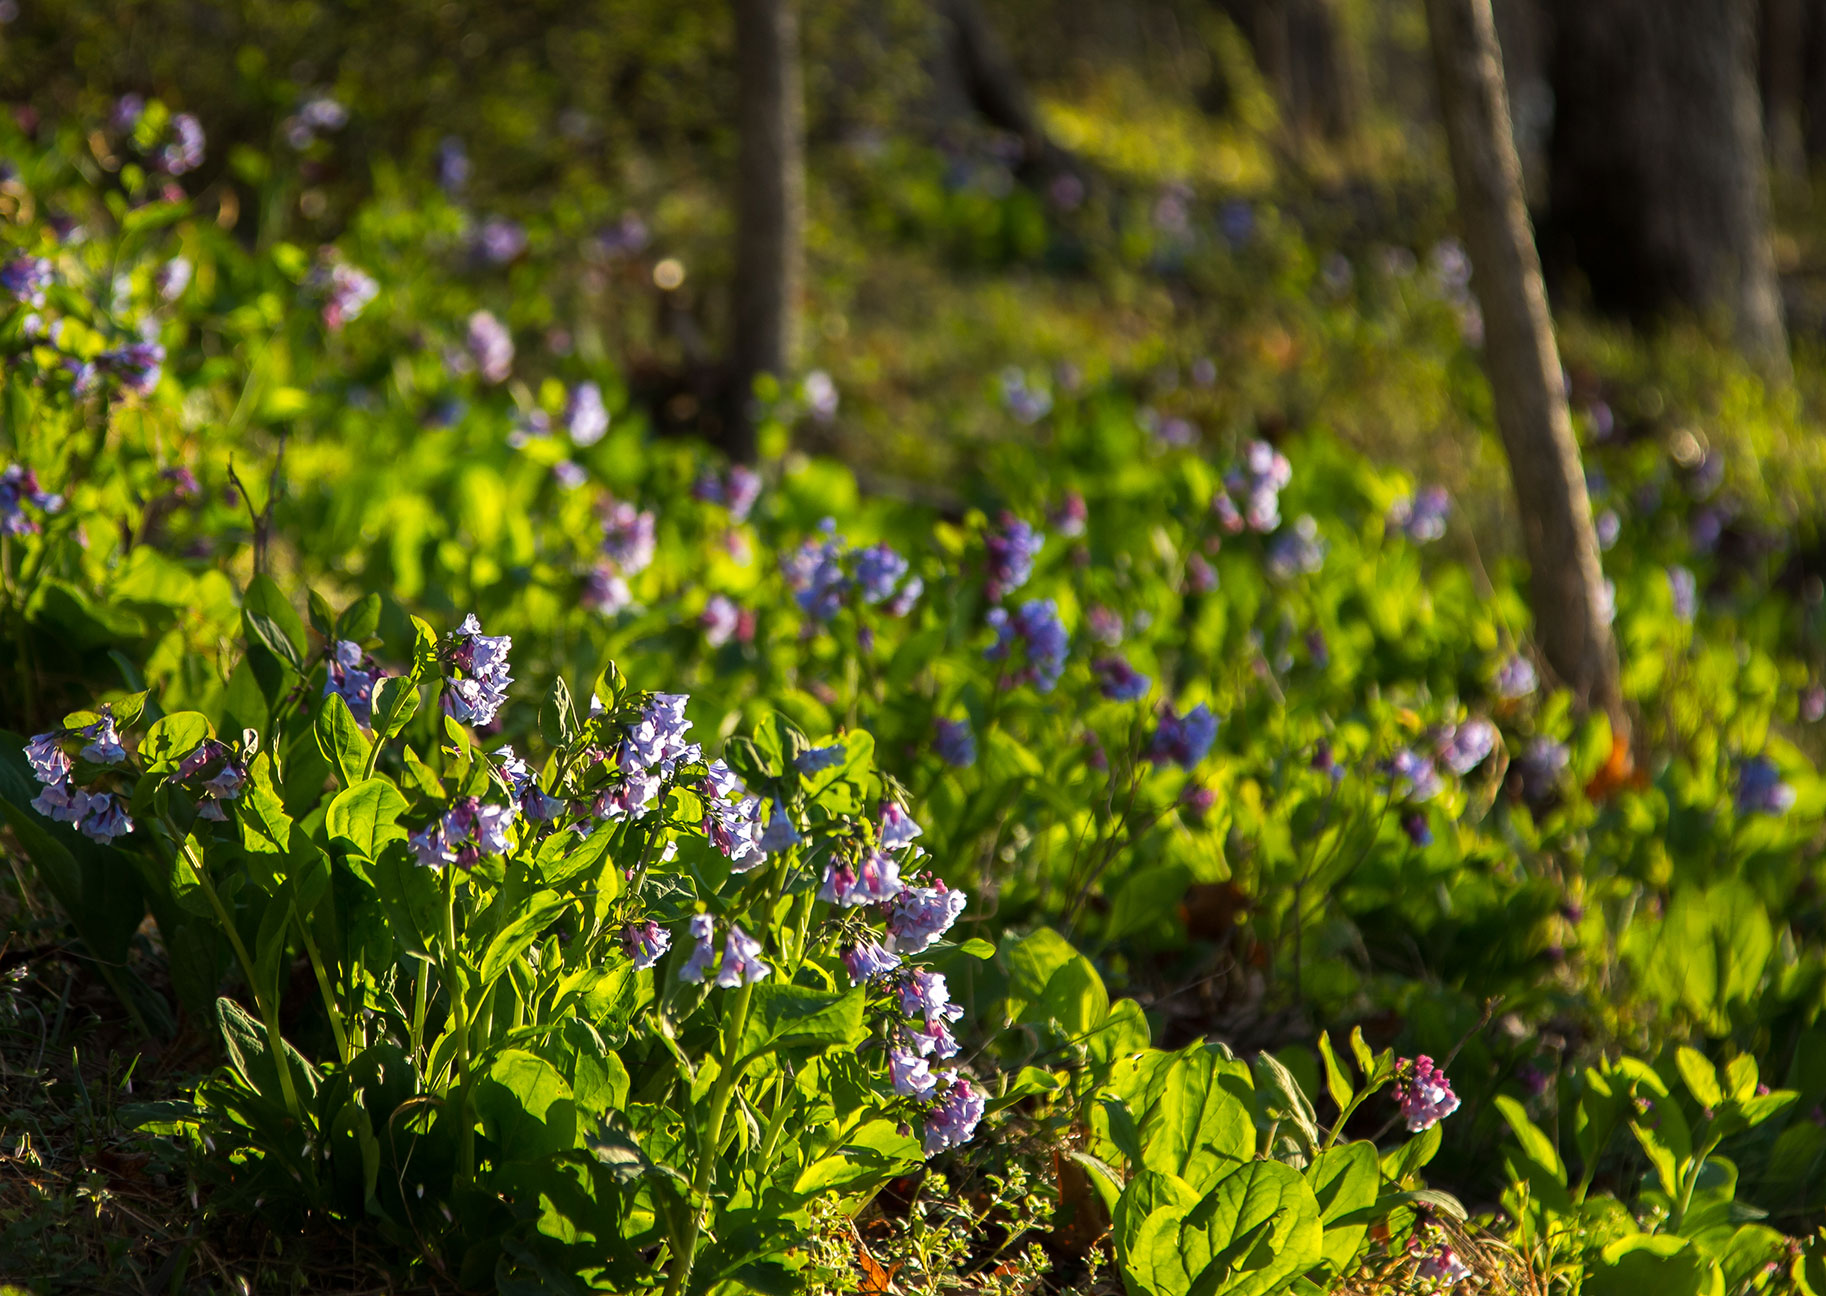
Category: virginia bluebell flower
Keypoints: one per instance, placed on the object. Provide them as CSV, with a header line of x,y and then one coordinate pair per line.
x,y
953,1122
1760,788
1465,746
1070,517
605,592
1184,740
919,915
1120,681
628,536
721,619
867,959
1414,775
1515,678
911,1074
1043,639
742,963
491,347
646,942
878,571
814,572
955,743
1296,551
1424,1093
346,290
657,739
586,418
897,828
1421,518
703,951
475,695
26,278
352,675
875,881
137,365
1685,591
184,151
1012,548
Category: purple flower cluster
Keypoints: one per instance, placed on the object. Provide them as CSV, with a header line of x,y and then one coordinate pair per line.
x,y
183,152
18,488
822,574
1414,776
99,816
736,491
1070,517
27,278
645,942
1184,740
628,536
491,347
656,741
1516,678
1424,1093
741,962
1539,768
1120,681
346,290
137,366
732,818
524,794
477,692
955,743
723,619
1760,788
497,241
1464,747
1035,625
1012,548
352,675
1296,550
469,830
1421,518
224,783
1027,401
586,418
1257,482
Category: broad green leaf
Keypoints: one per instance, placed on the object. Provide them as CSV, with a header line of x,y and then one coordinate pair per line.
x,y
1538,1147
1337,1084
789,1016
395,703
341,741
537,913
1657,1263
1049,981
1255,1232
1701,1079
526,1106
171,738
365,815
1343,1180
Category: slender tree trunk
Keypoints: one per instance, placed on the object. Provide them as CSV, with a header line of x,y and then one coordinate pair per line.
x,y
1659,190
1566,583
1782,48
991,84
770,206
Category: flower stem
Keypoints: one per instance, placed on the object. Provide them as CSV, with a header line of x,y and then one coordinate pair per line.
x,y
453,974
685,1248
269,1011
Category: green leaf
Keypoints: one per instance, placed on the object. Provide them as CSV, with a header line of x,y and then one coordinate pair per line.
x,y
1200,1127
1343,1180
526,1106
365,816
1538,1147
395,703
341,741
172,738
1400,1164
537,913
875,1153
1653,1262
1251,1235
272,624
360,619
1337,1084
1701,1079
1050,982
977,948
557,717
788,1016
1284,1099
266,829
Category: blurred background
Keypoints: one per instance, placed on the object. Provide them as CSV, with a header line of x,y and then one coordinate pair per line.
x,y
1154,191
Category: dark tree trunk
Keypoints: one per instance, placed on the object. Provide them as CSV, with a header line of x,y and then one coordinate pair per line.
x,y
769,206
1658,188
1307,58
991,85
1566,582
1782,48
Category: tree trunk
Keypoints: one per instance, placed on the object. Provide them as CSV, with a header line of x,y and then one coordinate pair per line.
x,y
1782,46
1566,583
1659,191
770,207
992,86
